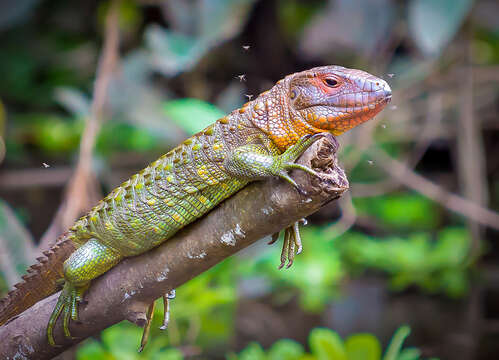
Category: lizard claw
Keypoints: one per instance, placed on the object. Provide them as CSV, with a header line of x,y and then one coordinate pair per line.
x,y
166,308
275,237
292,245
301,191
67,304
147,327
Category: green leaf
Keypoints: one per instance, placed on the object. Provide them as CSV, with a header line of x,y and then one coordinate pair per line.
x,y
402,210
252,352
326,345
172,52
452,246
434,23
118,341
168,354
73,100
409,354
92,350
393,351
192,115
363,347
222,19
285,350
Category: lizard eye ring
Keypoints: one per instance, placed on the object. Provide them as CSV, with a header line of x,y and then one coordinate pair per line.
x,y
293,94
330,82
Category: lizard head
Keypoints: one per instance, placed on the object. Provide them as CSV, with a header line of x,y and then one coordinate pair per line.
x,y
336,99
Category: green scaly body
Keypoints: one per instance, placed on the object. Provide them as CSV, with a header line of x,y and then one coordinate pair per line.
x,y
170,193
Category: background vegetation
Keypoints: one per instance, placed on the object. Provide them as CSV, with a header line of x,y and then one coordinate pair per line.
x,y
413,242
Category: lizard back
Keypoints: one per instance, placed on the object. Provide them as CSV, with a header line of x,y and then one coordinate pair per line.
x,y
171,192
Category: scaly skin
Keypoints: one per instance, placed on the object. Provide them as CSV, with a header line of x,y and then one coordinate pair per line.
x,y
260,140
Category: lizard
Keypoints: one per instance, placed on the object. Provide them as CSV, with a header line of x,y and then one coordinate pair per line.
x,y
262,139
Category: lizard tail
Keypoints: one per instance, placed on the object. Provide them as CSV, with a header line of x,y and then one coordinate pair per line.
x,y
41,280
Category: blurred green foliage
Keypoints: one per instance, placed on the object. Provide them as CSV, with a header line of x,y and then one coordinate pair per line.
x,y
434,23
400,211
57,136
192,115
434,265
294,15
324,344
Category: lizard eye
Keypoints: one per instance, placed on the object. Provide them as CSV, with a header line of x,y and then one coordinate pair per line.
x,y
331,82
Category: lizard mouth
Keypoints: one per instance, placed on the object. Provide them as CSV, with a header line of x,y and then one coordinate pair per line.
x,y
351,103
352,110
342,117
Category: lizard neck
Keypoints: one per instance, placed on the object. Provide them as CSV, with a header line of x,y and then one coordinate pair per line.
x,y
270,112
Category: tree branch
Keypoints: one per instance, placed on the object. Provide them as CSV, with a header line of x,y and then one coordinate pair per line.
x,y
125,291
451,201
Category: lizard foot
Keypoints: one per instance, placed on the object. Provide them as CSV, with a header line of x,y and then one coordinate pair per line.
x,y
67,304
150,312
288,158
166,308
147,326
292,244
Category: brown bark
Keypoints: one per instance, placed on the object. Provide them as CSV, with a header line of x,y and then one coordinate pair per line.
x,y
125,291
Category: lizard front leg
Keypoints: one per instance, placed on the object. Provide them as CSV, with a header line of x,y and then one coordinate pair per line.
x,y
89,261
255,162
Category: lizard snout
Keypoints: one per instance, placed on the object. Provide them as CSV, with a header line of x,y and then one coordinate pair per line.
x,y
382,90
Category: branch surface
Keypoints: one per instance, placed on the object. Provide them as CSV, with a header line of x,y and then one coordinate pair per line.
x,y
125,291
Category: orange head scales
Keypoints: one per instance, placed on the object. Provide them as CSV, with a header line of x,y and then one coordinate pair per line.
x,y
323,99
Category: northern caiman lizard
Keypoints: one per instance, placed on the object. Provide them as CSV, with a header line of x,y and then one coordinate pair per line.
x,y
261,139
